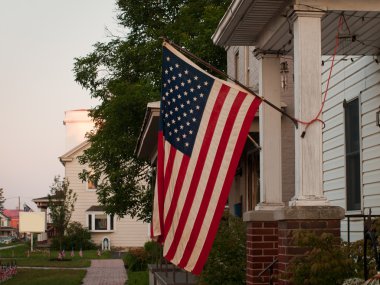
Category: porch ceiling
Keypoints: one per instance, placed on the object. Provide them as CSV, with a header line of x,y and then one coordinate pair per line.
x,y
267,25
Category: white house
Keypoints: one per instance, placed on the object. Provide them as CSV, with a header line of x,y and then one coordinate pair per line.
x,y
112,230
336,168
106,230
351,138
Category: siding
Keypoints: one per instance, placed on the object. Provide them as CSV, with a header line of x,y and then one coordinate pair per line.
x,y
351,79
128,232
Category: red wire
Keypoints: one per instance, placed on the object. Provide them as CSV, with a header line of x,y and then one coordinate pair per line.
x,y
316,118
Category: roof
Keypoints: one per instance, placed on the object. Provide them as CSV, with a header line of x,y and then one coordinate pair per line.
x,y
2,214
95,208
69,156
147,142
268,25
11,213
42,199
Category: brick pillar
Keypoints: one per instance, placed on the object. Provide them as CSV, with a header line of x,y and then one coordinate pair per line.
x,y
262,246
320,220
270,234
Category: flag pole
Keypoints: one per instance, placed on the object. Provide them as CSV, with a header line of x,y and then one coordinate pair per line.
x,y
218,71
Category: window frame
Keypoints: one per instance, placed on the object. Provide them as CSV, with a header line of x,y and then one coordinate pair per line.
x,y
252,199
91,225
351,207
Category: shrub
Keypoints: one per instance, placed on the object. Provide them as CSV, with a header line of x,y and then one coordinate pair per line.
x,y
76,237
325,262
137,259
227,260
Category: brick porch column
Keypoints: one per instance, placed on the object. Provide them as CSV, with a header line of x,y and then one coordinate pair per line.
x,y
318,219
262,245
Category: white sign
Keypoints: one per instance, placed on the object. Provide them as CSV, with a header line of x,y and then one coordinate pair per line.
x,y
32,222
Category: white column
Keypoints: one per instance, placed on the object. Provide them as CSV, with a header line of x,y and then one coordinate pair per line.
x,y
307,101
270,135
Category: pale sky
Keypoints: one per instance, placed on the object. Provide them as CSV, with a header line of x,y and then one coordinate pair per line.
x,y
38,42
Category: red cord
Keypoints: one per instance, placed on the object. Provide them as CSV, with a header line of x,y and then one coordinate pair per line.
x,y
316,118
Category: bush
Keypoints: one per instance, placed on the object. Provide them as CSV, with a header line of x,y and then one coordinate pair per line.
x,y
227,260
137,259
325,262
76,237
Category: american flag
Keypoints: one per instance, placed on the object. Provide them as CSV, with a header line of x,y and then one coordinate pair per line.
x,y
204,122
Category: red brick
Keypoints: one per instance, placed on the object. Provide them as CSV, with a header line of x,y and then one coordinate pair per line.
x,y
271,252
256,224
270,224
264,231
260,245
264,259
271,238
333,224
257,252
255,238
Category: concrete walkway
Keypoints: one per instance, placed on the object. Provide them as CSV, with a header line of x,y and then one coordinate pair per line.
x,y
11,246
106,272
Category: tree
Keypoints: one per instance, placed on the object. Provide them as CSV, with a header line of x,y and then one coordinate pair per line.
x,y
2,200
124,74
61,205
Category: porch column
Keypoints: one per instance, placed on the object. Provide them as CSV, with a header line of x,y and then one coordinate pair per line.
x,y
270,134
307,101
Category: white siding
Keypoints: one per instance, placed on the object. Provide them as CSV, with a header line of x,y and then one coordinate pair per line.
x,y
351,79
127,232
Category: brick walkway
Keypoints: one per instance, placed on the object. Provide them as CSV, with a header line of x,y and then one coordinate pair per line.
x,y
106,272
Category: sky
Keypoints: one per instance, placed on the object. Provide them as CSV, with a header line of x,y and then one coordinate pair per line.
x,y
39,40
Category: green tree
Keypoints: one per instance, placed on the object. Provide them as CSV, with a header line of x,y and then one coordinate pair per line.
x,y
2,200
61,206
124,74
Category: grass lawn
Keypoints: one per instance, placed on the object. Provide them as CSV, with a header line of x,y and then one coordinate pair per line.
x,y
138,278
41,258
47,277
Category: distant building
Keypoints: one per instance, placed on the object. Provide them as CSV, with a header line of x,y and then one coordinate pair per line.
x,y
5,228
106,230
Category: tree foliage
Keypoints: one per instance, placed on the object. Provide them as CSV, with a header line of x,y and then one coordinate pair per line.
x,y
2,200
61,205
124,74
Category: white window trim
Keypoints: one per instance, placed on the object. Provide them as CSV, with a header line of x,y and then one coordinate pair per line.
x,y
92,214
359,211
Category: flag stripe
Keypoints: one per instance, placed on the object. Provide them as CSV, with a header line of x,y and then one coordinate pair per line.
x,y
219,183
212,178
192,163
227,184
210,159
198,170
169,168
158,222
172,205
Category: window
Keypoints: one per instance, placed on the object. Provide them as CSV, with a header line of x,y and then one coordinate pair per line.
x,y
253,177
100,222
352,140
91,185
236,61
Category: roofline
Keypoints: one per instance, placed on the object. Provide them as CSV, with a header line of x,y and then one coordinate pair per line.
x,y
66,157
149,107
